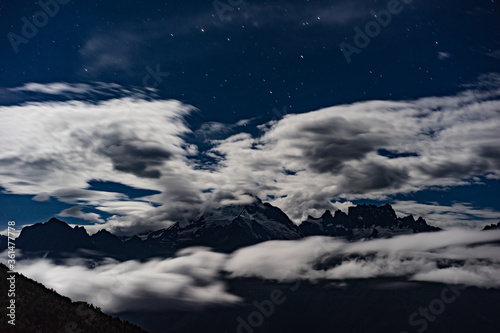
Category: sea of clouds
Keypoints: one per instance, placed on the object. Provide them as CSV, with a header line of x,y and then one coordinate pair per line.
x,y
197,277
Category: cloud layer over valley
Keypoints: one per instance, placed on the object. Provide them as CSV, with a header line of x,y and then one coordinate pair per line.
x,y
197,277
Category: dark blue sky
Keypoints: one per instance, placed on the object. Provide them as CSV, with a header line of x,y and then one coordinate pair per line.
x,y
241,64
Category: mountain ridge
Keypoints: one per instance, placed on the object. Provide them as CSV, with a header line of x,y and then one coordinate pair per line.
x,y
224,229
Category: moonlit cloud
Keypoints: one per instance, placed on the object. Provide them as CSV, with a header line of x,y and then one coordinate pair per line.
x,y
455,215
197,277
188,280
334,152
74,90
77,212
415,257
300,163
54,88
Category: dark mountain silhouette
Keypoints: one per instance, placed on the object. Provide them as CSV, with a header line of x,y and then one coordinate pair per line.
x,y
55,238
337,225
492,226
380,221
231,227
224,229
39,309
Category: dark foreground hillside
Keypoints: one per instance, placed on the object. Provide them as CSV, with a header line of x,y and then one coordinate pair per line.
x,y
40,310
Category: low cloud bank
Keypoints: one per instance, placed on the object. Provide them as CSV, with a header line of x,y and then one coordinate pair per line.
x,y
455,256
196,277
190,279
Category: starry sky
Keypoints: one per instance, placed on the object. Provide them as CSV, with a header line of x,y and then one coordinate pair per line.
x,y
130,116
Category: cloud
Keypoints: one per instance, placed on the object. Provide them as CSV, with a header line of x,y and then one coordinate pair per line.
x,y
188,280
77,213
41,197
422,257
300,163
74,90
113,51
56,148
75,195
335,152
123,51
494,53
133,155
215,130
54,88
454,215
197,277
475,275
295,15
443,55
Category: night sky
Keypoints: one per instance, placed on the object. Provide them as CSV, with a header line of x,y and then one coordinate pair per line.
x,y
131,115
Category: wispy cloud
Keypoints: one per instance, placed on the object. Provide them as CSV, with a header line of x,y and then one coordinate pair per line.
x,y
77,212
425,257
454,215
188,280
75,90
198,276
368,150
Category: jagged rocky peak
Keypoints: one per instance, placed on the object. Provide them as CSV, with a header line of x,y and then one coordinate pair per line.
x,y
54,220
340,218
169,233
492,226
365,216
364,221
407,220
105,236
53,234
228,227
327,214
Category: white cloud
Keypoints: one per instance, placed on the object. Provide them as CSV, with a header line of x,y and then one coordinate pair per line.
x,y
458,214
55,88
443,55
198,276
75,89
334,152
56,148
191,279
302,161
77,212
415,257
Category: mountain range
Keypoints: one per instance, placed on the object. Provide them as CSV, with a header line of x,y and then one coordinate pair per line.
x,y
231,227
224,229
